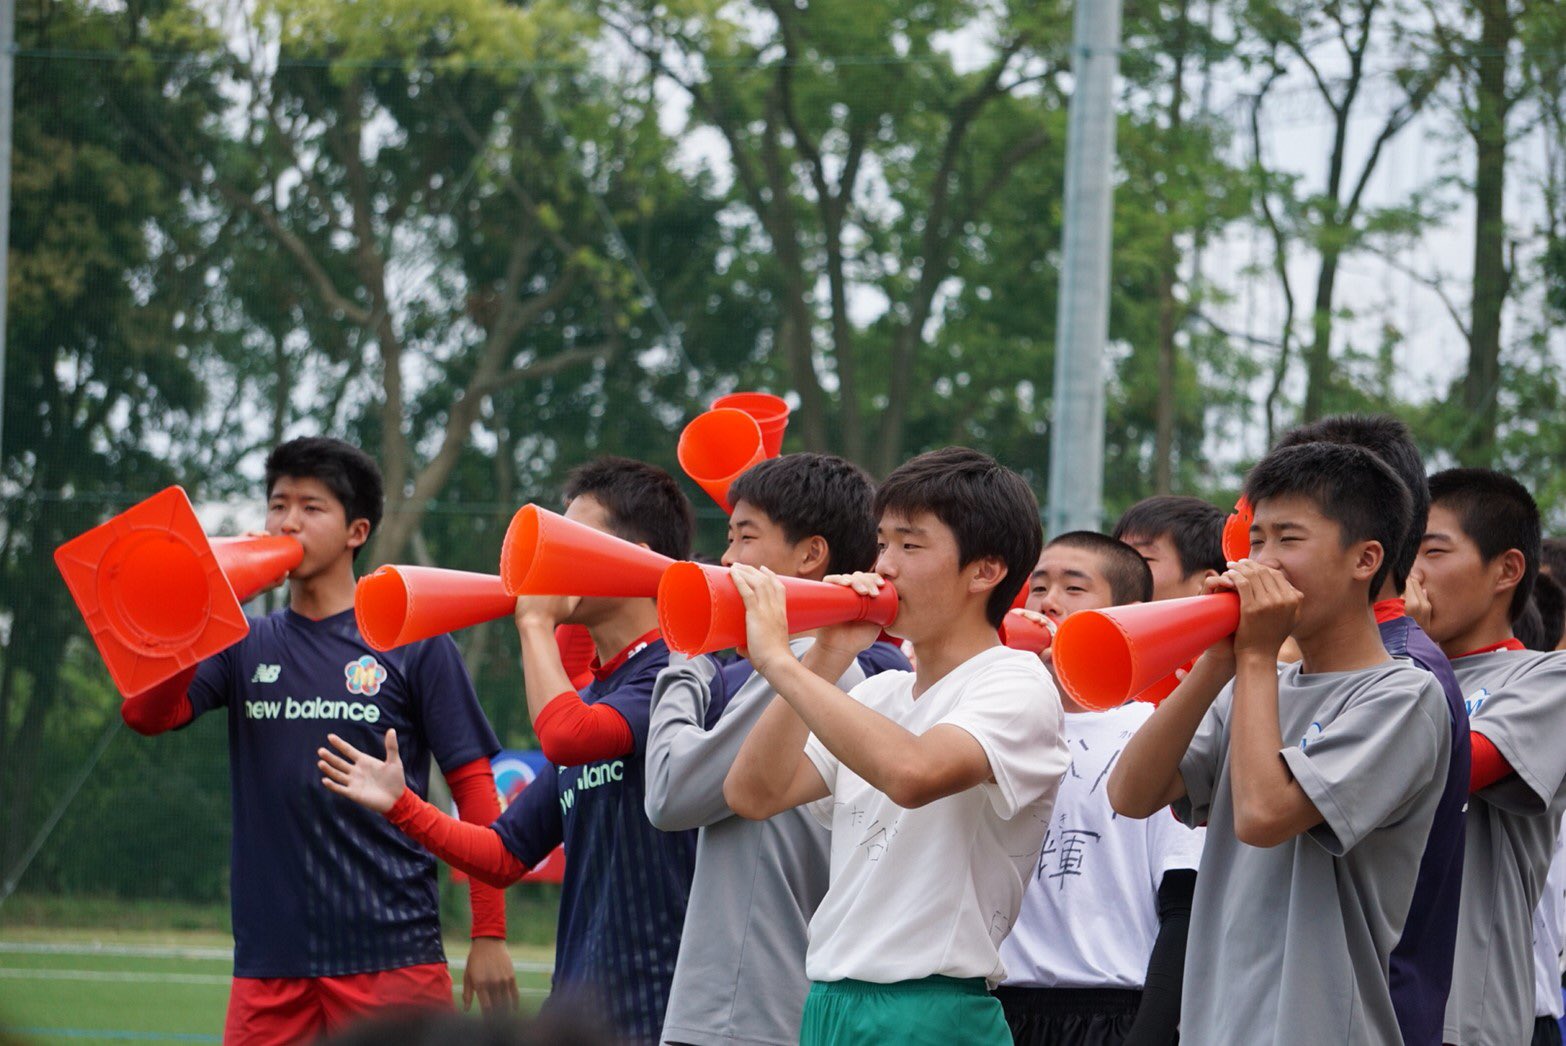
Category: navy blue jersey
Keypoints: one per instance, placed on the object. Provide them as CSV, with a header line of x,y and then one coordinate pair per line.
x,y
881,657
321,886
622,905
1421,962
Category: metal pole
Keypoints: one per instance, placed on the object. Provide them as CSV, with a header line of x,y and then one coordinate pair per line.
x,y
1076,460
7,74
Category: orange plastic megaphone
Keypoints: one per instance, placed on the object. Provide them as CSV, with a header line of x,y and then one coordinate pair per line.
x,y
1023,633
1103,658
716,447
545,554
770,412
397,605
158,595
1237,531
700,610
1155,694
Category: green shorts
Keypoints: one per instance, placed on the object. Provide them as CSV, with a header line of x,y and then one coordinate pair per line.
x,y
936,1010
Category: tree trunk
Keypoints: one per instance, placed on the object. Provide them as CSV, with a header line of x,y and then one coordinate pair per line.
x,y
1490,276
1318,358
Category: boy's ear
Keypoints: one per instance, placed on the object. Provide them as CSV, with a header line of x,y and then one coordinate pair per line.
x,y
1510,567
986,573
1368,560
358,532
816,554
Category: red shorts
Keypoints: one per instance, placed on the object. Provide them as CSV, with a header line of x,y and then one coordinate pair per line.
x,y
280,1011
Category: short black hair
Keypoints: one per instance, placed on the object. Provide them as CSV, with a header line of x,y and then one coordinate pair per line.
x,y
1348,484
1497,513
816,494
1130,578
989,508
1552,557
644,503
1388,439
1550,601
348,472
1193,526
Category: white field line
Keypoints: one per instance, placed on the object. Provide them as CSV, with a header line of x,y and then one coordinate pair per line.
x,y
154,951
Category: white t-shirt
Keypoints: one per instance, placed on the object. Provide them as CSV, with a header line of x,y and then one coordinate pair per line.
x,y
916,893
1547,930
1090,914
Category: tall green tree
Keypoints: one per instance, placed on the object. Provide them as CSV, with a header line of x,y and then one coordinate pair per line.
x,y
102,387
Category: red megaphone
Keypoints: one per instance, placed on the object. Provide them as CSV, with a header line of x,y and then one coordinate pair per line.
x,y
700,610
716,447
158,595
1103,658
397,605
1237,531
1023,633
545,554
770,412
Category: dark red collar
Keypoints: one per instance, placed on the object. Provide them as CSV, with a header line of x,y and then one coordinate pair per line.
x,y
640,643
1505,644
1389,610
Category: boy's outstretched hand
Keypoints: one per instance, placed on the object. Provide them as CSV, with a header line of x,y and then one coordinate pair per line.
x,y
1269,607
368,781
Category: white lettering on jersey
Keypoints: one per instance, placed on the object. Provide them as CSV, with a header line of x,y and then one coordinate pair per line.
x,y
592,777
313,708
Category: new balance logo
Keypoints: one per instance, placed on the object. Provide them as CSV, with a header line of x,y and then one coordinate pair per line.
x,y
266,673
313,708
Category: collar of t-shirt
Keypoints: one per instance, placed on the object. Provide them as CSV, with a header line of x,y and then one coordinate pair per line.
x,y
1505,644
317,622
1389,609
640,643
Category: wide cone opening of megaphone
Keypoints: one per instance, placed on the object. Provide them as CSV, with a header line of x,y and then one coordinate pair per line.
x,y
771,414
152,587
686,607
1237,531
716,447
380,605
520,550
1093,661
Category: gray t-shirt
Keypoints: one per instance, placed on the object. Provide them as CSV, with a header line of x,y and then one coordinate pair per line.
x,y
1290,944
1516,699
740,975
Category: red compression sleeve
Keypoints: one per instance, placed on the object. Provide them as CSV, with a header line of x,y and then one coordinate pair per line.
x,y
466,847
162,708
473,787
1488,765
572,732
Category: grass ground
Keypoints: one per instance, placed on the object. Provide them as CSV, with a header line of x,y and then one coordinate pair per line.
x,y
90,971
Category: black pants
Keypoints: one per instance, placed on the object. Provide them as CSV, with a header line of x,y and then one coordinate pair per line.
x,y
1069,1016
1546,1032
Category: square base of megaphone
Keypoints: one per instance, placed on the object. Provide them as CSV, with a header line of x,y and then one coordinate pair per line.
x,y
151,591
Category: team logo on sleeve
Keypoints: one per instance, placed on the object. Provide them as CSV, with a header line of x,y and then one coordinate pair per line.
x,y
364,676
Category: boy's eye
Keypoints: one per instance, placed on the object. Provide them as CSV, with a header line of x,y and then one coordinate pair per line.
x,y
1075,588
